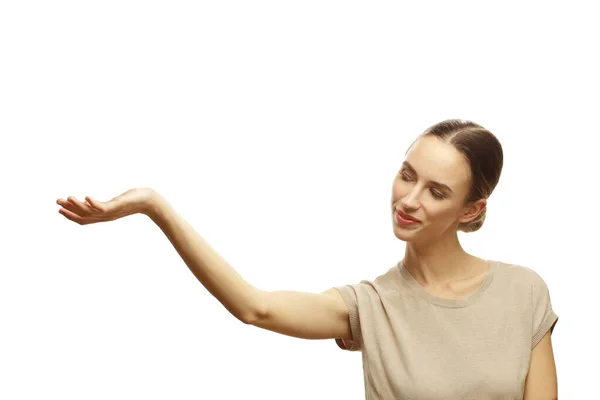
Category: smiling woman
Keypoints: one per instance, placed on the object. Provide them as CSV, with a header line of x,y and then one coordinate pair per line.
x,y
450,325
478,174
440,323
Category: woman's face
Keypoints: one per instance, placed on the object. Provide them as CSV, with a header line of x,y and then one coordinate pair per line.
x,y
440,209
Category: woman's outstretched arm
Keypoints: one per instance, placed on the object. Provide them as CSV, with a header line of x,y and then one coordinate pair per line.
x,y
293,313
304,315
241,299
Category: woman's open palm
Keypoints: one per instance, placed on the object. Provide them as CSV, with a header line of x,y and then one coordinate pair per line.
x,y
91,211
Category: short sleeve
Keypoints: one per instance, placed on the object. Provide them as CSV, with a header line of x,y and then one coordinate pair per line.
x,y
544,317
349,294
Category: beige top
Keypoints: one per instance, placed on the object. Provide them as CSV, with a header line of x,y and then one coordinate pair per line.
x,y
418,346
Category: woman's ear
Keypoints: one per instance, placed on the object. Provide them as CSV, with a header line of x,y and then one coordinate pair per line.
x,y
473,211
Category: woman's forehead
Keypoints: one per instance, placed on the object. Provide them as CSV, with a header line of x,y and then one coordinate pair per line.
x,y
436,160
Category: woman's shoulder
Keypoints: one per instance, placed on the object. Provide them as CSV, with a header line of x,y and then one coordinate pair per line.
x,y
520,273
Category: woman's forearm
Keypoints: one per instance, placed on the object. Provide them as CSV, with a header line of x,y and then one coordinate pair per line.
x,y
240,298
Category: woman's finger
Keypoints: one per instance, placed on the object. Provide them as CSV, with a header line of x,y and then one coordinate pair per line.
x,y
79,207
84,219
95,205
67,205
83,210
73,217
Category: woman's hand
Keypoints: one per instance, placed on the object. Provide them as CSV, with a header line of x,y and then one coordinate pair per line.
x,y
133,201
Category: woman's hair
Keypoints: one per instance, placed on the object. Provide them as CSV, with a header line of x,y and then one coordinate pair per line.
x,y
483,152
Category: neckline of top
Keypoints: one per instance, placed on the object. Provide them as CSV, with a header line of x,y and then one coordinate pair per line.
x,y
452,303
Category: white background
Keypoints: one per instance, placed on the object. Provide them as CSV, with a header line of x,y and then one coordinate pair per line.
x,y
276,129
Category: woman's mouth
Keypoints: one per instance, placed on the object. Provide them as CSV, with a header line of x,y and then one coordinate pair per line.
x,y
404,220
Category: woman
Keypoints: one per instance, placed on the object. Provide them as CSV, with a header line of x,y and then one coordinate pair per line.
x,y
441,323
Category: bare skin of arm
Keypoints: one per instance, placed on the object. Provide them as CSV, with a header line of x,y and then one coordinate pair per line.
x,y
541,382
292,313
299,314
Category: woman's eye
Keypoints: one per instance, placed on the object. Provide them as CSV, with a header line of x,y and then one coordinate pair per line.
x,y
435,194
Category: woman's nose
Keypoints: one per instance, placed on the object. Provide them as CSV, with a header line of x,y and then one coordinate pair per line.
x,y
410,201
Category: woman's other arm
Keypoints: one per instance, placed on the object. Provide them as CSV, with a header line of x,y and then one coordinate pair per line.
x,y
541,382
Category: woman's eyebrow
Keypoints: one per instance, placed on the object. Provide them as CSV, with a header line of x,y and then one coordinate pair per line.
x,y
438,184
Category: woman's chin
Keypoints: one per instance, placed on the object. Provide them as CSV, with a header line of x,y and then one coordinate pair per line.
x,y
403,234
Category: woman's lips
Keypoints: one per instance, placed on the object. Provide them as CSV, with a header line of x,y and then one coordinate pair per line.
x,y
404,220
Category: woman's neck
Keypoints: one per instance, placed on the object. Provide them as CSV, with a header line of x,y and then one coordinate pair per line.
x,y
439,264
